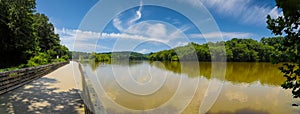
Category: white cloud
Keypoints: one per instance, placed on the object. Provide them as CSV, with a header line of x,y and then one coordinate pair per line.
x,y
85,40
149,31
89,47
138,14
124,36
194,3
132,37
144,51
226,35
156,30
83,47
179,32
119,24
181,44
79,34
244,10
274,13
174,21
144,31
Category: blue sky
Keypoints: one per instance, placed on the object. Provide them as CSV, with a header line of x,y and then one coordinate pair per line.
x,y
149,28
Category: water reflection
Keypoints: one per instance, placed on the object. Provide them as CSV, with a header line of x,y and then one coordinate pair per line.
x,y
122,88
236,72
248,87
94,65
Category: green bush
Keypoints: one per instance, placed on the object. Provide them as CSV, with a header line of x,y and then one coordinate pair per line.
x,y
62,59
40,59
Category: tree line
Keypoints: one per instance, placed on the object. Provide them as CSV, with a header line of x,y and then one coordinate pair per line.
x,y
237,50
125,55
27,38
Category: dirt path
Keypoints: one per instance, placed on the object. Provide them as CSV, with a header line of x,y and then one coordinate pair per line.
x,y
54,93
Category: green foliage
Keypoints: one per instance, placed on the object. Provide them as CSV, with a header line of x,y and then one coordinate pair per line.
x,y
44,33
9,69
174,58
26,36
237,50
49,56
16,31
289,46
64,58
101,57
40,59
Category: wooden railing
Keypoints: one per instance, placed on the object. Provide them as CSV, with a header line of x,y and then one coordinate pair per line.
x,y
11,80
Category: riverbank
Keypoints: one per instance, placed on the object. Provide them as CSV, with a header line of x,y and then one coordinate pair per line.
x,y
54,93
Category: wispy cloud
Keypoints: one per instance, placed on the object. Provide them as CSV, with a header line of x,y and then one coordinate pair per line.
x,y
124,36
79,34
138,14
174,21
144,51
145,31
274,13
183,43
226,35
245,10
85,40
119,24
148,29
151,31
89,47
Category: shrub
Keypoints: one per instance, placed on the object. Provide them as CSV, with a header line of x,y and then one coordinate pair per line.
x,y
40,59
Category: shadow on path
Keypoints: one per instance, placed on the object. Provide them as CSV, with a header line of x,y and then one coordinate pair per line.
x,y
38,97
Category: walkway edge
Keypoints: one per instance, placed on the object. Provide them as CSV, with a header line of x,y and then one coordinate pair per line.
x,y
14,79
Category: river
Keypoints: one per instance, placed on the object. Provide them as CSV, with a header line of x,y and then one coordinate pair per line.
x,y
190,87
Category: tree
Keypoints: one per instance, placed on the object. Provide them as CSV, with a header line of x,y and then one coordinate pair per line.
x,y
288,25
26,36
238,50
44,33
16,31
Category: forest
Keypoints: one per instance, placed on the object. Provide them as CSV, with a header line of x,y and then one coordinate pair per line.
x,y
27,38
101,57
237,50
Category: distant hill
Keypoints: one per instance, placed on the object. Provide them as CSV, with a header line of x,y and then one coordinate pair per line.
x,y
110,56
237,50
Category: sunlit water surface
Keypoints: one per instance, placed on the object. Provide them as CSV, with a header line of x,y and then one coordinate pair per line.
x,y
169,87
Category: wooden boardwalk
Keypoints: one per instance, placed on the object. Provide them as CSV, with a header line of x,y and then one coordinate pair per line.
x,y
54,93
